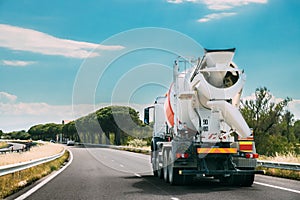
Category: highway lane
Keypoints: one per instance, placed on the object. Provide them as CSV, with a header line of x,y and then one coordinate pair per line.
x,y
100,173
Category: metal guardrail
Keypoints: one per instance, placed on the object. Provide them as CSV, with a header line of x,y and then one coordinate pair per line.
x,y
8,169
279,165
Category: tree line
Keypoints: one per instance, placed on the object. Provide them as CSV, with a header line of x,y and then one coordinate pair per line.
x,y
109,125
22,135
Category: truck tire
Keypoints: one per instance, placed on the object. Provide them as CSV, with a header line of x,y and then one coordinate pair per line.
x,y
174,177
238,180
157,170
187,179
160,173
247,180
232,180
154,163
165,166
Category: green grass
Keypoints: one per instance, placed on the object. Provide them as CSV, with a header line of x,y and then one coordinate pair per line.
x,y
14,182
283,173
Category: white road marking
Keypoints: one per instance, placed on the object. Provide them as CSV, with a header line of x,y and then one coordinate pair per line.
x,y
174,198
277,187
44,182
137,175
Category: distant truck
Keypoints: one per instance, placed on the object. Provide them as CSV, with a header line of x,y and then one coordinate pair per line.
x,y
198,128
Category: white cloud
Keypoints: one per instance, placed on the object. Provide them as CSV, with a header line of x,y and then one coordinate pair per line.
x,y
214,16
21,116
180,1
220,4
7,98
22,39
17,63
229,4
175,1
253,97
294,108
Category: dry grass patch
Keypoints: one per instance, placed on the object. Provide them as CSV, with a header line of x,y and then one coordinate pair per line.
x,y
289,158
14,182
3,145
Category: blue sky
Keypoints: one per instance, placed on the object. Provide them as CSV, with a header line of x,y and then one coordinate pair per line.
x,y
44,46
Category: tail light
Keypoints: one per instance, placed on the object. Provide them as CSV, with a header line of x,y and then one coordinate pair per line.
x,y
255,155
251,155
182,155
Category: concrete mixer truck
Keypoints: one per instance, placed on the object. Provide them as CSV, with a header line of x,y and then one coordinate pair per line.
x,y
198,130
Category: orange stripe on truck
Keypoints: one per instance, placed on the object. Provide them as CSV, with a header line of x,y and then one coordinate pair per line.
x,y
216,150
169,111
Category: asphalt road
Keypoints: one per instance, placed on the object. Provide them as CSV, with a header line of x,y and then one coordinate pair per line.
x,y
100,173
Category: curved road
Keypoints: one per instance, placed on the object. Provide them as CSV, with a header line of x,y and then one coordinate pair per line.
x,y
100,173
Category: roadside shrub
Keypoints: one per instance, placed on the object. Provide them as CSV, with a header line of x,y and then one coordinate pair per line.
x,y
137,143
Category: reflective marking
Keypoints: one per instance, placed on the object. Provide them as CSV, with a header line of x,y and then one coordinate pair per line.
x,y
246,146
277,187
216,150
174,198
245,142
137,175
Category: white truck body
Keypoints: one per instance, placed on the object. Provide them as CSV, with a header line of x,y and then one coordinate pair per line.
x,y
198,128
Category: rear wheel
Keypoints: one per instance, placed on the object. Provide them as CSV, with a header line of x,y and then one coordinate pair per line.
x,y
172,172
238,180
160,173
247,180
154,163
174,177
230,180
165,166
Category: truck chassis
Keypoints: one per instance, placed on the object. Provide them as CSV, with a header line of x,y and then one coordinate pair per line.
x,y
179,168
